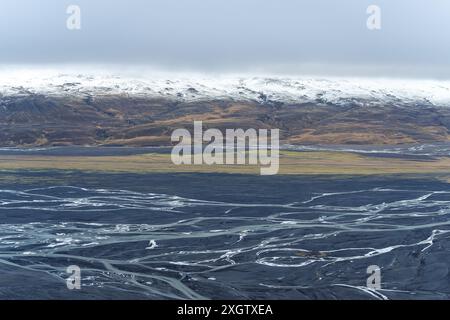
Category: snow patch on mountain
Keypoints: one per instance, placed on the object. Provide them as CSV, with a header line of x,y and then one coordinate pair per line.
x,y
191,88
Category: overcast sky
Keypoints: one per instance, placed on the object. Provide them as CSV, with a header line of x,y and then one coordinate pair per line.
x,y
289,36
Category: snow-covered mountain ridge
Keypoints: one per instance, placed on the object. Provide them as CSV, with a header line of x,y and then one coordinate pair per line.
x,y
189,88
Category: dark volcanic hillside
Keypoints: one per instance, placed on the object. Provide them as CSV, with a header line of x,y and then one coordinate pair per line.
x,y
38,120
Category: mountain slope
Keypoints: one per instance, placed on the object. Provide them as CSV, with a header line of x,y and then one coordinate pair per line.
x,y
81,109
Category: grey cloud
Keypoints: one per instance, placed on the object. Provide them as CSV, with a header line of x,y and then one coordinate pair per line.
x,y
296,36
